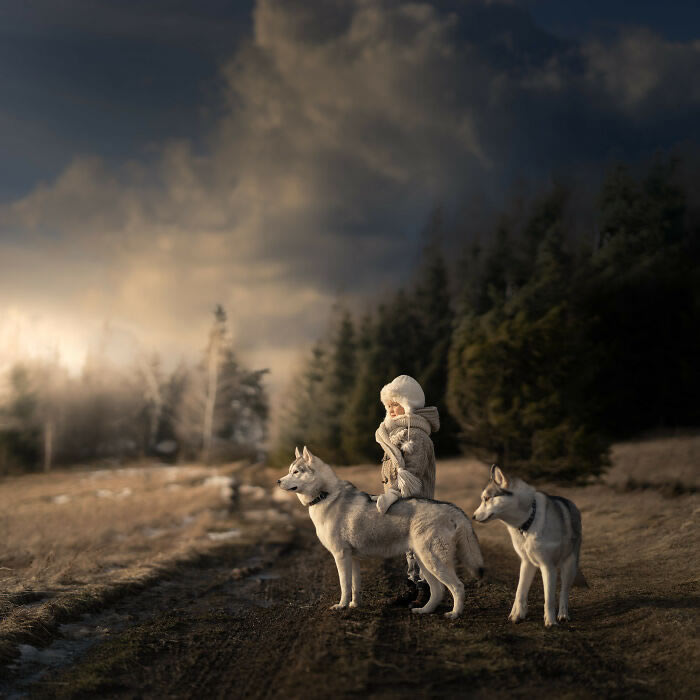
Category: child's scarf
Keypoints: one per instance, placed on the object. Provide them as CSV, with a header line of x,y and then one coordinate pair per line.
x,y
409,484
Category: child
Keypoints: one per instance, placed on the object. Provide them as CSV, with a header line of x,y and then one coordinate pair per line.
x,y
408,465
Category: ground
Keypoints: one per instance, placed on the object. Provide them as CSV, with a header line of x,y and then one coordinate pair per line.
x,y
250,617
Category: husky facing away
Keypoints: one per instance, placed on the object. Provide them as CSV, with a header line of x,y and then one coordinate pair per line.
x,y
348,523
546,533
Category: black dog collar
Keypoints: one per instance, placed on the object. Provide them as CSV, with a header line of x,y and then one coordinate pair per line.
x,y
318,498
526,525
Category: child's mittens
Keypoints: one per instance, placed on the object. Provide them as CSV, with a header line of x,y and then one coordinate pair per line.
x,y
409,484
386,500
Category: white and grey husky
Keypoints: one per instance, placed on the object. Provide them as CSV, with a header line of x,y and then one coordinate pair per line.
x,y
546,533
348,523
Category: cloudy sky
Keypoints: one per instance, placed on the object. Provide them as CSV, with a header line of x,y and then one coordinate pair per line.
x,y
161,156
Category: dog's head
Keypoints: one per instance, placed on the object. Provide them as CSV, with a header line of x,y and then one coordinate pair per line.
x,y
497,498
304,475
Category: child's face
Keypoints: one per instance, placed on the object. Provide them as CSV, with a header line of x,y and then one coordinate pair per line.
x,y
395,409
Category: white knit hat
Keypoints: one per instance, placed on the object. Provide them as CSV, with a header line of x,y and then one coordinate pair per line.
x,y
406,391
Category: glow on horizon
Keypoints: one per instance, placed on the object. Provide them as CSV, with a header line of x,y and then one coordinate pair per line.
x,y
33,336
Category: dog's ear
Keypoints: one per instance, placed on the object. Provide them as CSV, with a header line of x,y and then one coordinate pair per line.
x,y
307,455
499,477
297,454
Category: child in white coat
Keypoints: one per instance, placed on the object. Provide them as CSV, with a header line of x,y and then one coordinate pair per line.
x,y
408,465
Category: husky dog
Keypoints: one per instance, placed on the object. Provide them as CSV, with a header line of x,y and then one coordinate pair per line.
x,y
348,523
546,534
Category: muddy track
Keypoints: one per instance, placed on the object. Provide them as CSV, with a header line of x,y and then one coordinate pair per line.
x,y
267,633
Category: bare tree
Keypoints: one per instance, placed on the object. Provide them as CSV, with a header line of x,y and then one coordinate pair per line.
x,y
214,350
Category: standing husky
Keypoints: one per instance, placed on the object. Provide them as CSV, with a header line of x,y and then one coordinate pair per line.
x,y
546,534
348,523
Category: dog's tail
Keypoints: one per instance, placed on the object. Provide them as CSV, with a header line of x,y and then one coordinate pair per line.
x,y
469,552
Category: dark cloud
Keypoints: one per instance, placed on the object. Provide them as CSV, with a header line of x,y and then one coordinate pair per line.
x,y
106,78
345,122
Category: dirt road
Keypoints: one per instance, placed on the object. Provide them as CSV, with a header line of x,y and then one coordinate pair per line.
x,y
254,622
271,635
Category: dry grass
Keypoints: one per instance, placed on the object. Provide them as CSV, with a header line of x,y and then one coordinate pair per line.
x,y
671,464
65,529
73,541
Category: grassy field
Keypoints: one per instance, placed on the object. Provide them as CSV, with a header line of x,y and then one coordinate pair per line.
x,y
64,529
73,540
77,542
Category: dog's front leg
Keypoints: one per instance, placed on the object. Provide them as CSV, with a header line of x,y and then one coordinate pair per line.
x,y
527,573
343,560
355,584
549,579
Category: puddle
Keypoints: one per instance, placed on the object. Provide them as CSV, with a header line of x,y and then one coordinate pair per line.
x,y
33,662
267,576
266,516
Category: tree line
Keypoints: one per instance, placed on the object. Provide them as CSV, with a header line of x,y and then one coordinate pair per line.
x,y
213,410
538,349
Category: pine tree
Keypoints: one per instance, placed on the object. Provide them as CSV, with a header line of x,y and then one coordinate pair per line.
x,y
515,371
20,438
364,411
435,319
642,295
305,411
341,380
223,408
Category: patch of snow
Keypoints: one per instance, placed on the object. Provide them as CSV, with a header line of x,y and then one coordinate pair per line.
x,y
226,535
224,483
166,447
217,480
254,493
267,515
153,531
48,656
77,631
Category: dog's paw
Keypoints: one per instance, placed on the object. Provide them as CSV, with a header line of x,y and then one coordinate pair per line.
x,y
563,617
551,623
339,606
517,616
421,611
354,604
452,615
